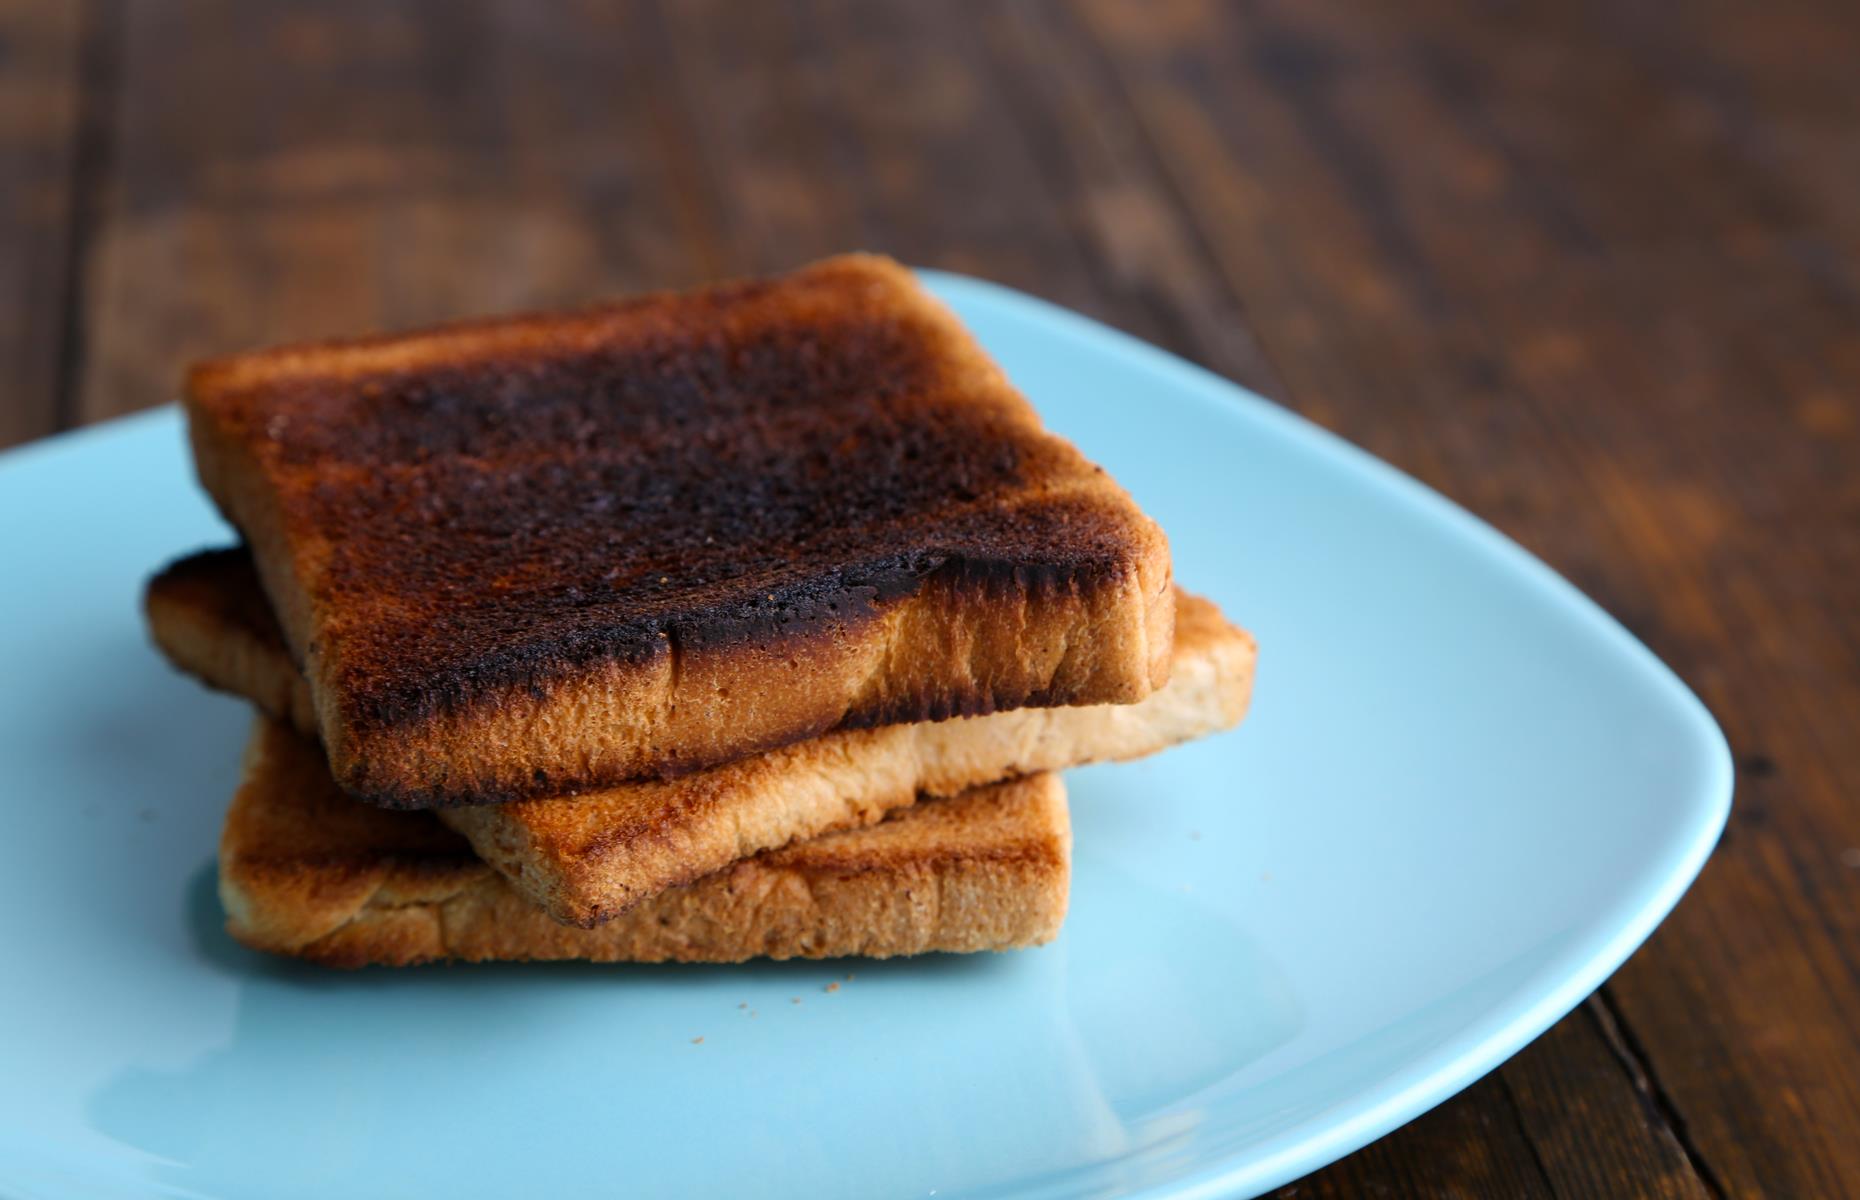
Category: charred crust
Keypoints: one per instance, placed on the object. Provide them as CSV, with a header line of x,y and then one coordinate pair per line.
x,y
777,618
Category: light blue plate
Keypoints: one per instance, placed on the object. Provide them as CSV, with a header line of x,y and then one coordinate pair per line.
x,y
1463,797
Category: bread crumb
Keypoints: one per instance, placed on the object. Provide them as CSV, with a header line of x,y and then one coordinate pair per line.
x,y
833,987
794,999
744,1004
697,1041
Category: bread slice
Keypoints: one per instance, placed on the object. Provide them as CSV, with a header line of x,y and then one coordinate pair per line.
x,y
307,871
585,858
524,556
209,616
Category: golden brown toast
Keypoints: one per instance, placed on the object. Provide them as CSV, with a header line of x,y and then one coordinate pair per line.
x,y
585,858
520,557
305,870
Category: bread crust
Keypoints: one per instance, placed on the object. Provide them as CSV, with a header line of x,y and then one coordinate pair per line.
x,y
524,556
208,615
308,872
586,858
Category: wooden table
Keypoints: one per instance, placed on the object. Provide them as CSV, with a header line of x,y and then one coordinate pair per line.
x,y
1592,269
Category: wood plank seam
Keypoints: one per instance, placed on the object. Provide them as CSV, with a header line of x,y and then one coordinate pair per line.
x,y
99,71
680,108
1170,188
1662,1106
1619,1037
1054,163
684,152
1524,1129
1044,146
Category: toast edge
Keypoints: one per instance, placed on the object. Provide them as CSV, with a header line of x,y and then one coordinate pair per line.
x,y
200,640
842,781
585,874
832,897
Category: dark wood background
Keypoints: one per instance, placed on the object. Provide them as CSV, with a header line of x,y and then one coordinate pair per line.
x,y
1592,269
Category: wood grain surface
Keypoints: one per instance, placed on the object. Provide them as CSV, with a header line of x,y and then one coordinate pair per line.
x,y
1592,269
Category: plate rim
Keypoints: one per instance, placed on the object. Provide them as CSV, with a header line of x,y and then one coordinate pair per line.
x,y
1554,990
1505,1026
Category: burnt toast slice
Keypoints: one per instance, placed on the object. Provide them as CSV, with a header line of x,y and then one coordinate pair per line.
x,y
525,556
586,858
307,871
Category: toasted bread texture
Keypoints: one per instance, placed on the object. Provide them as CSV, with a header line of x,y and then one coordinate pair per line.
x,y
588,857
525,556
307,871
208,614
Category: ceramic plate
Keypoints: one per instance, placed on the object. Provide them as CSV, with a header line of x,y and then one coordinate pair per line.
x,y
1464,795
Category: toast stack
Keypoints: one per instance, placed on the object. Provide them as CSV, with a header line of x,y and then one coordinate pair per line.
x,y
752,621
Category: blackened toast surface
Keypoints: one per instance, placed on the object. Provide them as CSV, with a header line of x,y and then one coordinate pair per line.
x,y
708,524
